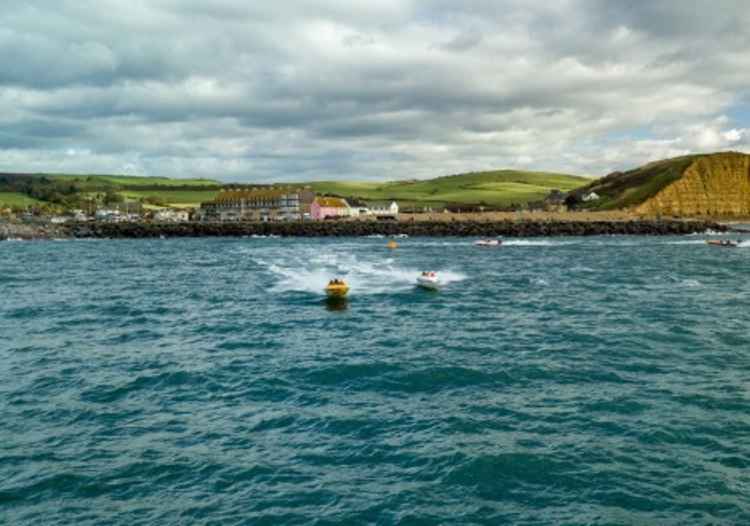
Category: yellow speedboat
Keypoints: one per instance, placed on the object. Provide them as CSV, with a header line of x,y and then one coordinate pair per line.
x,y
337,288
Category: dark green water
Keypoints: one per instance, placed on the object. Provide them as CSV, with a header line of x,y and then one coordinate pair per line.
x,y
206,381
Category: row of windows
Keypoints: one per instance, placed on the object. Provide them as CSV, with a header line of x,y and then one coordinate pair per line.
x,y
233,204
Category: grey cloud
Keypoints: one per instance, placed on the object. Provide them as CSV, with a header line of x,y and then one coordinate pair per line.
x,y
462,42
252,90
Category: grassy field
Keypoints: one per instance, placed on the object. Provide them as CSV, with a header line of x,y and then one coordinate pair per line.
x,y
173,197
498,188
12,199
132,180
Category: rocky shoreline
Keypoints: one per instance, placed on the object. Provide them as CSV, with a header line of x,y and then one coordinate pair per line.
x,y
363,228
30,231
360,228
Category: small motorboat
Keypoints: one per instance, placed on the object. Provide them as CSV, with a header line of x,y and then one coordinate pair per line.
x,y
337,288
402,236
429,280
488,243
392,244
727,243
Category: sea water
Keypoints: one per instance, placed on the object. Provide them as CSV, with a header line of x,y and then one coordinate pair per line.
x,y
207,381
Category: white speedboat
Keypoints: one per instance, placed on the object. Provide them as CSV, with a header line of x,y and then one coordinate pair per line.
x,y
488,243
429,280
727,243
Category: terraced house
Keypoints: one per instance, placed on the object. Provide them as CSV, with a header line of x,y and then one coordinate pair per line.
x,y
259,204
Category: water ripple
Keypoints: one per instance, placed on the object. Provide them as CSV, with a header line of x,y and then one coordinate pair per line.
x,y
207,381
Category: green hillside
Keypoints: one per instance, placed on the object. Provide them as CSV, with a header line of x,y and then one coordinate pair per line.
x,y
172,197
501,188
496,188
126,181
16,199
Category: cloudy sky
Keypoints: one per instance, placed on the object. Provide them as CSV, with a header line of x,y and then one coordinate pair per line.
x,y
390,89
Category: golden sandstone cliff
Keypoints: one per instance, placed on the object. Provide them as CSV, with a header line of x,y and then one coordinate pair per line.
x,y
711,185
707,185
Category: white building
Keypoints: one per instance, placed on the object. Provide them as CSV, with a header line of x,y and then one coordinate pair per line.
x,y
383,209
593,196
105,214
171,216
79,215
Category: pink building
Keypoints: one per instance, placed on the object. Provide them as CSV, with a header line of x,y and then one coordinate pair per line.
x,y
324,207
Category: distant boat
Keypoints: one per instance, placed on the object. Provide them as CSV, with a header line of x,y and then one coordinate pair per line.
x,y
726,243
402,236
488,243
337,288
429,280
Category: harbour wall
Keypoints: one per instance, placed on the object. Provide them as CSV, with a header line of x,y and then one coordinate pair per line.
x,y
370,228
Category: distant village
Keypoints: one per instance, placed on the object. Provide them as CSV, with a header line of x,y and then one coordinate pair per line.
x,y
287,204
59,202
233,205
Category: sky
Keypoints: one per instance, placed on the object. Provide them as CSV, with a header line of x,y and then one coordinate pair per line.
x,y
265,91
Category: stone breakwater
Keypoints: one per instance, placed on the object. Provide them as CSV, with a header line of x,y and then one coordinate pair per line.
x,y
361,228
30,232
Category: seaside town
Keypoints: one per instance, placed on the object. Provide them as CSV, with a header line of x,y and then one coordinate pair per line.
x,y
288,204
275,204
667,197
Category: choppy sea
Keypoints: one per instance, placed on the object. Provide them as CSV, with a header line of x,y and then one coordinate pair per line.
x,y
207,381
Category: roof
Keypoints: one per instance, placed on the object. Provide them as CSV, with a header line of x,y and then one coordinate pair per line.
x,y
331,202
250,195
381,204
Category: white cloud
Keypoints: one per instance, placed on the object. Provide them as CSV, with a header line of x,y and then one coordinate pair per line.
x,y
734,135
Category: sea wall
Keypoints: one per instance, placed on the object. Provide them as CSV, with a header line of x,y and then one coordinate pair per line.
x,y
422,228
9,230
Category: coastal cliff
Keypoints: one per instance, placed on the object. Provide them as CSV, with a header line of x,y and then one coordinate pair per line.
x,y
712,185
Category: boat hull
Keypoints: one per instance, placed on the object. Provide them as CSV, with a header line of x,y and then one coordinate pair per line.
x,y
336,291
488,243
428,283
723,244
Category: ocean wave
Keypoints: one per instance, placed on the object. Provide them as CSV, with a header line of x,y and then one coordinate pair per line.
x,y
364,276
536,243
173,382
687,242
